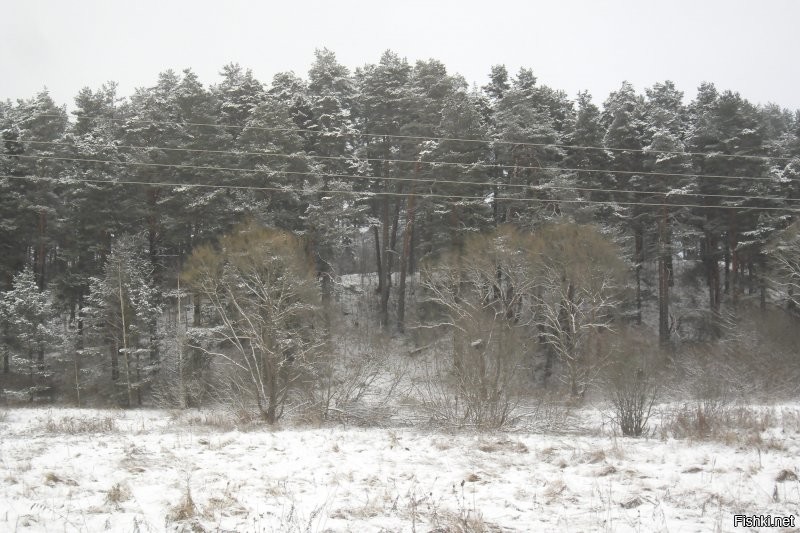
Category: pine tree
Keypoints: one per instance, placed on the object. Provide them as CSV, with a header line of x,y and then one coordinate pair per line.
x,y
332,219
27,315
588,164
121,306
726,126
666,117
383,98
33,125
622,117
529,113
91,200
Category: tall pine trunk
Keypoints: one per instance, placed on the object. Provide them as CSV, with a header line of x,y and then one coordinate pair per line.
x,y
638,239
664,275
41,250
153,240
734,253
387,273
710,261
378,259
406,255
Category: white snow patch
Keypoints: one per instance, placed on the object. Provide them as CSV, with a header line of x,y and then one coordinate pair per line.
x,y
101,470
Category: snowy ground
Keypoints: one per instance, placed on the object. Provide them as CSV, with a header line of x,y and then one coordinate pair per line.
x,y
94,470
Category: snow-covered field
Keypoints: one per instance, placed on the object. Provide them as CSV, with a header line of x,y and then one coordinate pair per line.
x,y
97,470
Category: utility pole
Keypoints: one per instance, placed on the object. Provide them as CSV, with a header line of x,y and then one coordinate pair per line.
x,y
124,335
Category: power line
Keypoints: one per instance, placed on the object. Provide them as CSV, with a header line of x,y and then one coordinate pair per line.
x,y
401,179
485,198
431,138
433,163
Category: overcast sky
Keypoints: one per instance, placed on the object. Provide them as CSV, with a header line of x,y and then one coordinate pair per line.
x,y
748,46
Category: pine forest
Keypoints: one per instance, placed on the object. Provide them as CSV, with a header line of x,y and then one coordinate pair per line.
x,y
325,247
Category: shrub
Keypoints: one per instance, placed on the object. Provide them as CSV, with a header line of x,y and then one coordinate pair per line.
x,y
631,385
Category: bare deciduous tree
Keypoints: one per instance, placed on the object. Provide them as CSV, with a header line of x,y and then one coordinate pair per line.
x,y
785,256
266,301
578,275
483,292
505,293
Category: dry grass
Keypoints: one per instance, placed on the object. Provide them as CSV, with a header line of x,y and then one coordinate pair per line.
x,y
425,512
502,445
219,420
74,425
226,504
731,425
118,493
51,478
554,489
185,509
595,456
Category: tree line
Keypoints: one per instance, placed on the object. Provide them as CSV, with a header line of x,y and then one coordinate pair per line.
x,y
103,210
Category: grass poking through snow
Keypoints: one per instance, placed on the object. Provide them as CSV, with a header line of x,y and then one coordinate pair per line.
x,y
144,470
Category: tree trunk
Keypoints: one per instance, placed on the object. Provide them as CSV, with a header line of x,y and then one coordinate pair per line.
x,y
638,239
114,361
273,398
138,386
378,259
405,259
762,283
726,284
78,351
664,275
41,250
735,263
712,279
412,257
183,400
153,240
387,273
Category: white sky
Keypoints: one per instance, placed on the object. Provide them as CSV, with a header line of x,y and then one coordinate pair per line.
x,y
746,45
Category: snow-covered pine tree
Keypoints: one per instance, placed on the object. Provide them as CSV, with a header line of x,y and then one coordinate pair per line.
x,y
665,117
383,100
623,121
589,164
122,304
27,316
529,113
